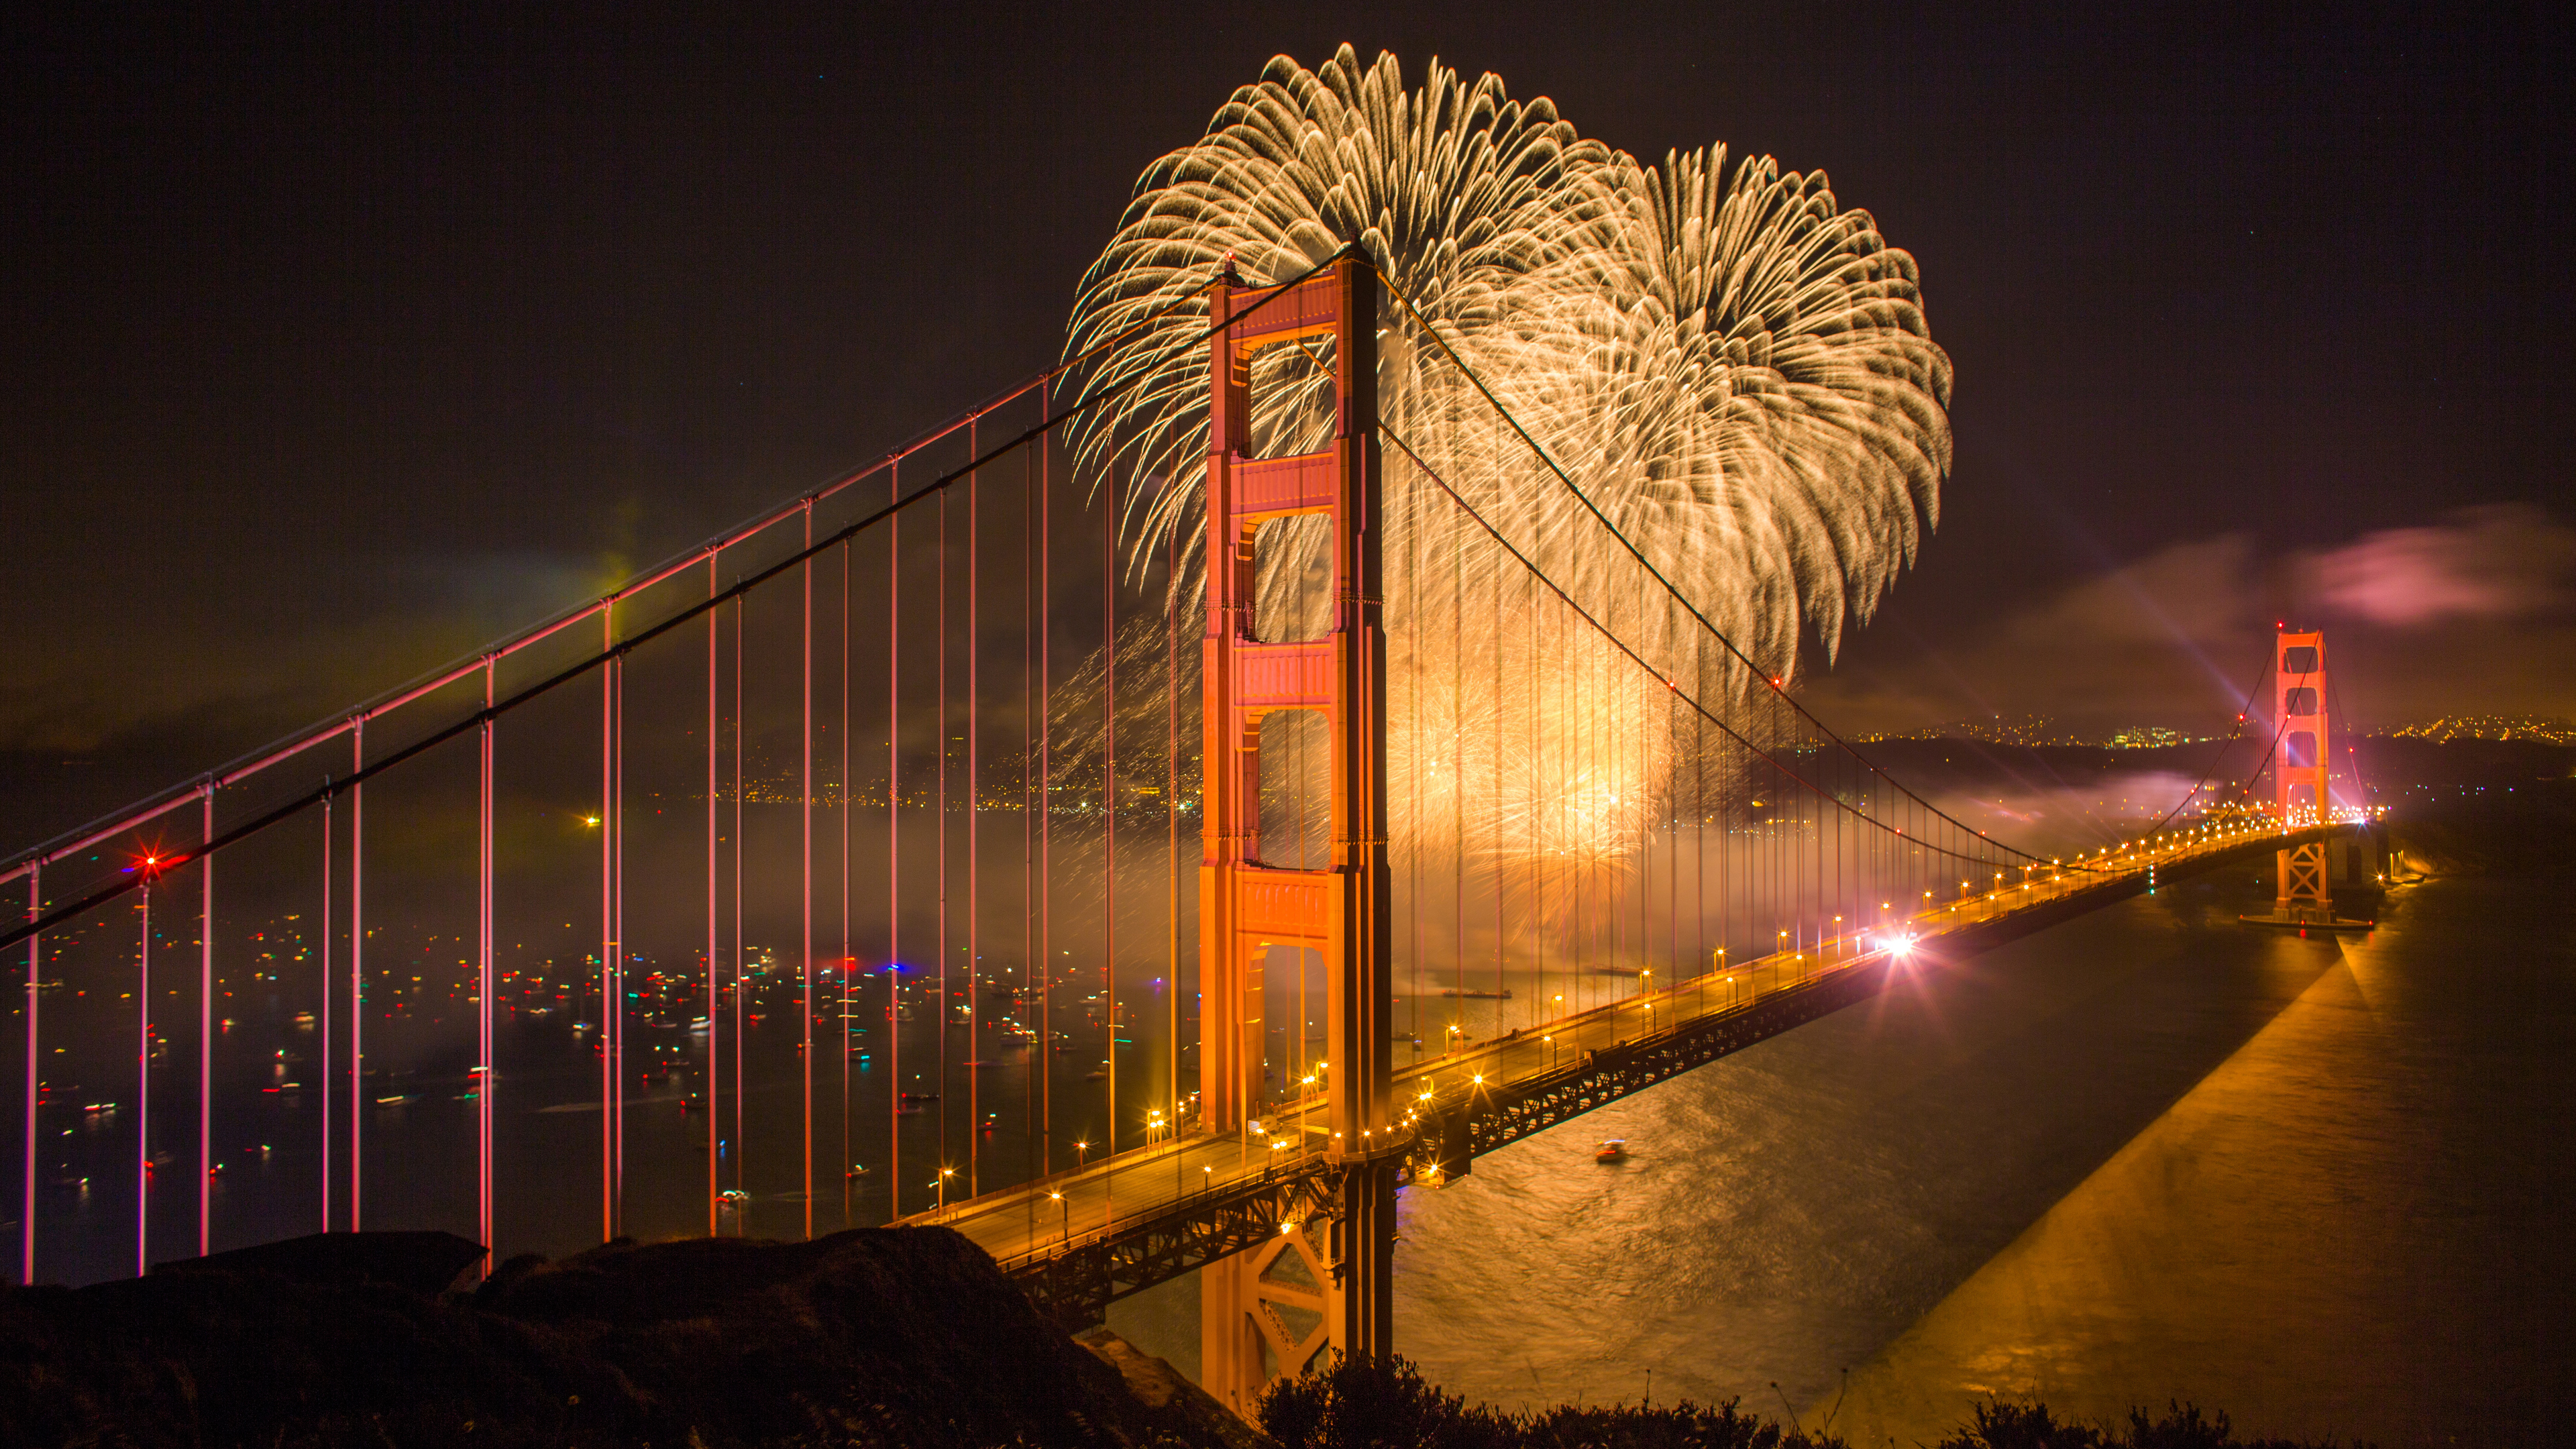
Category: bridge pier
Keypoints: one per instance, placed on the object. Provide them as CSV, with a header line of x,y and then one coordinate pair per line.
x,y
1364,1260
1321,1288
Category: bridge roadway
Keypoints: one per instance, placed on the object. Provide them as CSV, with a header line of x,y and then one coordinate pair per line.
x,y
1082,1237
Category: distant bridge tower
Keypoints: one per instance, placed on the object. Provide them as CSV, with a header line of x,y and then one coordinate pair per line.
x,y
1323,1286
2299,707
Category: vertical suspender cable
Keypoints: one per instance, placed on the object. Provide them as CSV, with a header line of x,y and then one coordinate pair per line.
x,y
1109,798
1457,771
1172,824
1028,823
1413,722
1570,743
715,1034
357,961
1543,801
143,1087
848,963
27,1187
1502,878
894,851
617,674
805,870
1699,827
939,837
1585,755
741,979
1415,714
486,1076
975,826
607,927
323,1027
1044,703
206,1029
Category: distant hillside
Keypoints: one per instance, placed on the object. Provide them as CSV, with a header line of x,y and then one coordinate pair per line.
x,y
2392,768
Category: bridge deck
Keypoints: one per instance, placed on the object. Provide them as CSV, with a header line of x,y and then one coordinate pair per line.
x,y
1028,1224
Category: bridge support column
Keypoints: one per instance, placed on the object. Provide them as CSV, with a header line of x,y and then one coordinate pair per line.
x,y
1321,1285
1265,1312
2299,700
1364,1261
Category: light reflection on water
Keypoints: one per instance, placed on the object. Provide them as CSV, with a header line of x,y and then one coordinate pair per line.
x,y
2149,1154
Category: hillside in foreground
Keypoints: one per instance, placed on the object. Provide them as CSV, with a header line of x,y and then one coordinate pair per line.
x,y
873,1337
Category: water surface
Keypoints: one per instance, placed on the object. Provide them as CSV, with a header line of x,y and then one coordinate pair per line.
x,y
2149,1154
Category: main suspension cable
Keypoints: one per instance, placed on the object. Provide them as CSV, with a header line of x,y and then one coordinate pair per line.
x,y
1549,462
1623,647
2215,760
617,649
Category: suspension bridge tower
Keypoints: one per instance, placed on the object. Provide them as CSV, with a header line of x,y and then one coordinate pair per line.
x,y
2298,697
1318,1286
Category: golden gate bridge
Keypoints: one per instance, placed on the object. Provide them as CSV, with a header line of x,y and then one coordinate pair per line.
x,y
916,847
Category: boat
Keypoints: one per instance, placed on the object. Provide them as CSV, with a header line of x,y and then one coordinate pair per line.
x,y
1613,1150
1455,994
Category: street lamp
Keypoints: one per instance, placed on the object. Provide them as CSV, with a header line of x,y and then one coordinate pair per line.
x,y
945,1173
1068,1216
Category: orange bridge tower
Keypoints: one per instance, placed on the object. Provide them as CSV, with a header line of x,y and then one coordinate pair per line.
x,y
1320,1285
2299,710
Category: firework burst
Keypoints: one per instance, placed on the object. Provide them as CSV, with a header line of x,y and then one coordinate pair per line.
x,y
1734,369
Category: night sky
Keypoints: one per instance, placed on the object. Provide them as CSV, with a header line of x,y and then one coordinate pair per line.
x,y
341,341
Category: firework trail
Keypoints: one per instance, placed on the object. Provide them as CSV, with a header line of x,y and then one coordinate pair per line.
x,y
1735,370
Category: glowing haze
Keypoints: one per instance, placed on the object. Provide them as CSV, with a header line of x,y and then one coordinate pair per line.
x,y
1732,366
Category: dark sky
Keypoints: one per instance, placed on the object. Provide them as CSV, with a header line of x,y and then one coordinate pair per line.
x,y
338,340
